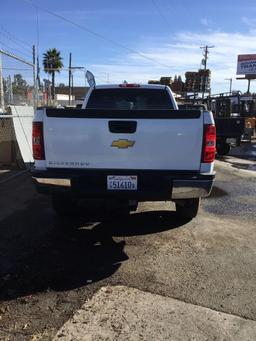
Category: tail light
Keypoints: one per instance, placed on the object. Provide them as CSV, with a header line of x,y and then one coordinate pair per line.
x,y
209,144
38,141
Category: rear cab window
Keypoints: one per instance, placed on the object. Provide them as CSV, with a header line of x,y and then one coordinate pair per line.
x,y
130,99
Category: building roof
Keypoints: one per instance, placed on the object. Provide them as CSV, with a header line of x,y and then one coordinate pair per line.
x,y
78,91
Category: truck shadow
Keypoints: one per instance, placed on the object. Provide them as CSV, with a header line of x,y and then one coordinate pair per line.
x,y
144,223
217,192
38,254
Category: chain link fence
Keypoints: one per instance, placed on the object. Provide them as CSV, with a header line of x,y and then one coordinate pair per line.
x,y
16,89
17,84
18,97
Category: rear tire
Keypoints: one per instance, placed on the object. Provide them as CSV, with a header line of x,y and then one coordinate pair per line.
x,y
188,208
64,205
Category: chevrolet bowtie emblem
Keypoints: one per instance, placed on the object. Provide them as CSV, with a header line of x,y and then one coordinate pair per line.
x,y
122,143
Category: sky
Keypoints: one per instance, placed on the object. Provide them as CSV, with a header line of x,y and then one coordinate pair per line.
x,y
133,40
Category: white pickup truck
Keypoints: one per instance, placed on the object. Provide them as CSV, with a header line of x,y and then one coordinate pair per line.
x,y
128,143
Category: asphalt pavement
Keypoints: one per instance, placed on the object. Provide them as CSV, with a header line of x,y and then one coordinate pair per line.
x,y
48,272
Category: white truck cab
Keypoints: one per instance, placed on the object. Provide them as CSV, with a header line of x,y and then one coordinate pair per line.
x,y
130,143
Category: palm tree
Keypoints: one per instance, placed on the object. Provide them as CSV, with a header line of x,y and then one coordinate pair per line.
x,y
52,62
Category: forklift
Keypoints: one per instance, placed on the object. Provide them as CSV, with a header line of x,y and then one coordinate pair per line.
x,y
230,124
226,107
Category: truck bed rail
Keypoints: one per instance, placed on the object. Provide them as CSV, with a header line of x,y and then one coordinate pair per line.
x,y
117,113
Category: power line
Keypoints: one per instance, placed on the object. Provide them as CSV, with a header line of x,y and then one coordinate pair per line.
x,y
14,49
14,41
17,39
160,13
98,35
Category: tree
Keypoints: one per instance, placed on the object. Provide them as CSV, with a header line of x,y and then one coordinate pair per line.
x,y
52,62
19,85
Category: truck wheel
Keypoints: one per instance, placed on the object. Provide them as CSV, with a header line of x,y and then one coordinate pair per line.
x,y
64,205
223,148
188,208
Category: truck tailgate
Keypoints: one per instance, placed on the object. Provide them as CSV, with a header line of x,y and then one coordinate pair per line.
x,y
123,139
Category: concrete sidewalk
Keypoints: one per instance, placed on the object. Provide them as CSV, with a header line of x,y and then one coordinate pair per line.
x,y
123,313
236,163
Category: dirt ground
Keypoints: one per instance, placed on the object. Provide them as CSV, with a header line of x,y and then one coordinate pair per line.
x,y
48,271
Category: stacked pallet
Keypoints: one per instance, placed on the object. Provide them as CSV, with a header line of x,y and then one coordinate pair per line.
x,y
163,80
198,81
191,80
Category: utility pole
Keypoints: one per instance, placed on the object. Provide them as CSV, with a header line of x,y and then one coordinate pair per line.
x,y
206,56
230,83
38,82
1,84
34,77
69,79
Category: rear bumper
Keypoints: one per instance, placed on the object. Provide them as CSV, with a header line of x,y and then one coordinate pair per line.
x,y
183,189
152,185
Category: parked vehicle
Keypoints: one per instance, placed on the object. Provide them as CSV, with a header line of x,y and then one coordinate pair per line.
x,y
128,143
230,123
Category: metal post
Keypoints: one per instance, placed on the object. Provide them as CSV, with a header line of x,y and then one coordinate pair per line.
x,y
10,93
1,84
249,85
69,79
230,84
50,94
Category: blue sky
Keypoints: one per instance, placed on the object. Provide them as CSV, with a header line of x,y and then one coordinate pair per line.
x,y
166,31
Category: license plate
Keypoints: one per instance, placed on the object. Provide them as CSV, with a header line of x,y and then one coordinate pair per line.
x,y
122,183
